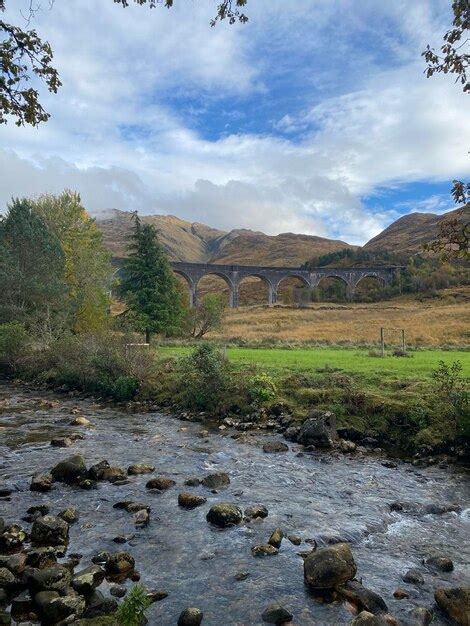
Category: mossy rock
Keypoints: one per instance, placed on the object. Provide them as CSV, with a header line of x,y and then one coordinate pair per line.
x,y
105,620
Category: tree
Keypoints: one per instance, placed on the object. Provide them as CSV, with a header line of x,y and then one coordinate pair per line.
x,y
149,287
207,315
23,54
32,271
452,239
88,269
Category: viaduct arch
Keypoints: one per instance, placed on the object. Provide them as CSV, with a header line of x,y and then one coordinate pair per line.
x,y
273,276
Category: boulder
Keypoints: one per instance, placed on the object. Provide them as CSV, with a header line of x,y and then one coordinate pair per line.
x,y
291,433
70,470
190,617
12,538
62,442
56,578
96,471
217,480
455,602
161,483
50,530
142,468
369,619
362,597
328,567
16,563
190,501
441,563
272,447
99,606
42,557
119,563
420,616
7,579
80,420
141,518
64,607
295,539
23,607
318,430
401,594
192,482
69,515
265,549
41,482
86,581
276,614
258,511
224,514
276,538
413,576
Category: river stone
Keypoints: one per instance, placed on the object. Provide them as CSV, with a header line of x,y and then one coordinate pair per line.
x,y
318,430
413,576
224,514
265,549
42,557
49,530
420,616
369,619
80,420
99,606
7,579
119,563
87,580
276,614
271,447
276,538
70,470
61,442
12,537
401,594
161,483
5,618
440,509
455,602
63,607
441,563
190,501
362,597
14,562
241,575
56,578
23,607
69,515
41,482
190,617
141,518
118,591
295,539
217,480
142,468
192,482
328,567
96,471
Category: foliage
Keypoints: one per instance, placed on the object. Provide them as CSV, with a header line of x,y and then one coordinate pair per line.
x,y
131,611
149,287
88,267
13,341
32,271
226,10
261,388
453,237
207,315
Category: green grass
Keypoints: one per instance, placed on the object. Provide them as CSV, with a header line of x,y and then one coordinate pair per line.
x,y
419,365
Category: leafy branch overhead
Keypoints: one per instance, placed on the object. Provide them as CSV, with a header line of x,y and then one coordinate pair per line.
x,y
227,10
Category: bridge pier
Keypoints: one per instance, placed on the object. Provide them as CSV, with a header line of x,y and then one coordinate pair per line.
x,y
192,296
272,295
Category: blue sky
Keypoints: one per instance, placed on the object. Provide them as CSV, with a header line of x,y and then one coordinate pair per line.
x,y
318,119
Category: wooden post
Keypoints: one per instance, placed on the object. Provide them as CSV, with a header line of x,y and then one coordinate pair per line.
x,y
403,344
382,342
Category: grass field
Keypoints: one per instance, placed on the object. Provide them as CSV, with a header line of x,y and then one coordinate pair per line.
x,y
419,365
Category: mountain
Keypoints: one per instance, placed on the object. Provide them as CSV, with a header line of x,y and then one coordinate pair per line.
x,y
410,232
197,243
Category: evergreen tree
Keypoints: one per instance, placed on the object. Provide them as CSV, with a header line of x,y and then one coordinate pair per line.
x,y
32,271
149,286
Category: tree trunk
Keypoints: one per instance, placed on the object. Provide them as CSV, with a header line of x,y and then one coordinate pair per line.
x,y
147,336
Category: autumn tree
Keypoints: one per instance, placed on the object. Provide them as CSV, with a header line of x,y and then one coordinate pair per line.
x,y
207,315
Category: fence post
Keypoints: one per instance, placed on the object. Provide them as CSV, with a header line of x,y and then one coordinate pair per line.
x,y
403,344
382,342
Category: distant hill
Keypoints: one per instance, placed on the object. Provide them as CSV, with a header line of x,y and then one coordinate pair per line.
x,y
410,232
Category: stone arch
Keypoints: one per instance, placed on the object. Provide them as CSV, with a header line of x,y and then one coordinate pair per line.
x,y
365,291
327,287
291,275
233,290
264,279
190,284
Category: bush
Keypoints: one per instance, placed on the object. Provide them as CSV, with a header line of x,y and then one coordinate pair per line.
x,y
132,610
451,397
261,388
124,388
13,343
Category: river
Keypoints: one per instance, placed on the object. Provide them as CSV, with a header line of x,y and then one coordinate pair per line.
x,y
316,496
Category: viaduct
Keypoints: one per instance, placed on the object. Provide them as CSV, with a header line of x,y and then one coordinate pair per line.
x,y
273,276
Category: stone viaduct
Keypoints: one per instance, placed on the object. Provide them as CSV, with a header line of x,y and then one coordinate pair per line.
x,y
273,276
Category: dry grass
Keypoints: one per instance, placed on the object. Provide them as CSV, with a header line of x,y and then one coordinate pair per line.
x,y
437,322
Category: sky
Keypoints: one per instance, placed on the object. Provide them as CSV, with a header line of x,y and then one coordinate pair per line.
x,y
313,119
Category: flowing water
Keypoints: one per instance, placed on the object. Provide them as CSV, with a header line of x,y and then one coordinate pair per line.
x,y
315,496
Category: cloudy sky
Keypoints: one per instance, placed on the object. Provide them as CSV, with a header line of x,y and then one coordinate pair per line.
x,y
316,120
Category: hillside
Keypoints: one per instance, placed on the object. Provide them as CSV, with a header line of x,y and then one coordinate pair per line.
x,y
198,243
410,232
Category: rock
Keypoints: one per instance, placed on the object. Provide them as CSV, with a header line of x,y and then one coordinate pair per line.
x,y
224,514
42,509
5,618
56,578
413,576
190,617
43,598
440,509
362,597
23,607
295,539
16,563
264,550
389,464
130,506
161,483
259,511
87,484
276,538
190,501
217,480
271,447
318,430
242,575
142,468
276,614
291,433
12,537
113,474
41,482
441,563
99,605
86,581
100,558
69,515
119,563
192,482
62,607
62,442
420,616
369,619
157,596
50,530
96,471
118,591
400,594
41,558
7,579
70,470
141,518
80,420
347,446
455,602
327,567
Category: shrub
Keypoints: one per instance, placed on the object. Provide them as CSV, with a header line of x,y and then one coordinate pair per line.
x,y
261,388
124,388
13,343
451,396
132,610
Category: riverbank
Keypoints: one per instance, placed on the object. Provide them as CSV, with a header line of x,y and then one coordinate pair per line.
x,y
394,517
